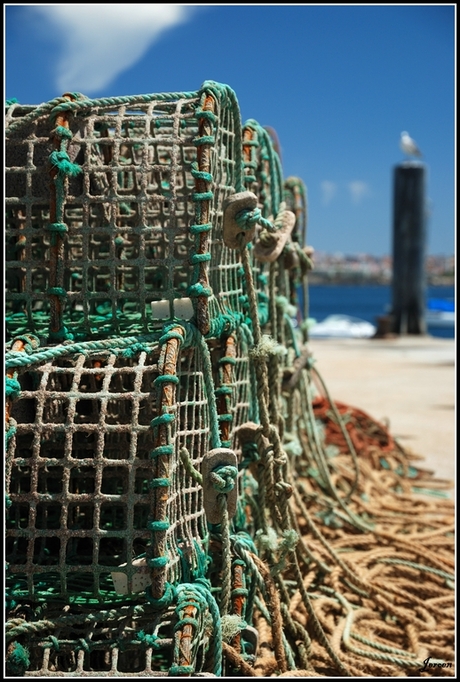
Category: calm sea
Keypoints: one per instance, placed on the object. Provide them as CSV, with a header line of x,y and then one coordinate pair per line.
x,y
367,302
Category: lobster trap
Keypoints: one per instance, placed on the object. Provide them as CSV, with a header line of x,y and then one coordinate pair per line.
x,y
103,448
172,487
115,204
128,373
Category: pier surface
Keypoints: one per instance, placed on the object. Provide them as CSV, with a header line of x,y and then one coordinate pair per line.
x,y
407,382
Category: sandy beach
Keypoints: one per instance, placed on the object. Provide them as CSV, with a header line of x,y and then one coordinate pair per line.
x,y
407,382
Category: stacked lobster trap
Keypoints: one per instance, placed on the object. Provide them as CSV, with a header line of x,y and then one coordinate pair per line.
x,y
129,326
175,502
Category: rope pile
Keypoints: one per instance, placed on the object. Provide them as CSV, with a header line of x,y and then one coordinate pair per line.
x,y
384,598
183,495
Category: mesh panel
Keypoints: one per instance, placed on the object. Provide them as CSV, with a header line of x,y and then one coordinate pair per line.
x,y
81,474
90,645
262,171
124,236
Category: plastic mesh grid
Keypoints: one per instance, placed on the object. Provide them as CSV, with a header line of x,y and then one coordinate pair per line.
x,y
243,406
81,472
90,645
262,171
127,213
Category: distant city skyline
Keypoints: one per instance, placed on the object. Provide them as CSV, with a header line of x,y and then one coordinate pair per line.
x,y
358,254
362,267
338,84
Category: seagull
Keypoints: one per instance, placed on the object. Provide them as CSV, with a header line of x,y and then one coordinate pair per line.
x,y
408,145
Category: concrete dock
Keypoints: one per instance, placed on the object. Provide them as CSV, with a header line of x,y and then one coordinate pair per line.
x,y
406,382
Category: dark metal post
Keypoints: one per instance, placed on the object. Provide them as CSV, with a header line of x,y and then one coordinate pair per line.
x,y
409,237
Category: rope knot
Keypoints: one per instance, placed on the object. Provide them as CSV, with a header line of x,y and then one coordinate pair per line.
x,y
268,239
62,162
30,341
247,218
62,132
223,478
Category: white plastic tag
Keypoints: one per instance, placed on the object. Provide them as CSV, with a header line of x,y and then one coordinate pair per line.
x,y
182,309
140,580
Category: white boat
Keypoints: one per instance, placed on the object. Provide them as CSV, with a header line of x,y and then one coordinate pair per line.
x,y
440,313
342,327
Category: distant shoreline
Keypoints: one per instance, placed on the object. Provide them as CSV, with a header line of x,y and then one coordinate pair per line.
x,y
357,280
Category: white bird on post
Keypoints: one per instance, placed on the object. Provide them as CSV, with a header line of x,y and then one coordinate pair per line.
x,y
408,145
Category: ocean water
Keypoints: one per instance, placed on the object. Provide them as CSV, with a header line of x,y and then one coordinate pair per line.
x,y
366,302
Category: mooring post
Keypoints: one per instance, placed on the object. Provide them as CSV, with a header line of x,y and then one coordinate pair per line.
x,y
409,237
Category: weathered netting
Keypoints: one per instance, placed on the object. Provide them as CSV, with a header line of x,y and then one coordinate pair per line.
x,y
136,184
183,495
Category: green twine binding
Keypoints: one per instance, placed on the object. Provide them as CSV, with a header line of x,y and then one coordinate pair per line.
x,y
204,139
200,258
57,291
163,602
135,349
10,431
61,334
200,175
227,360
84,645
162,450
224,390
160,483
153,641
165,418
171,335
12,388
199,595
57,227
202,196
166,379
63,132
158,526
55,642
187,621
199,289
196,229
158,562
61,161
175,670
204,113
224,324
17,660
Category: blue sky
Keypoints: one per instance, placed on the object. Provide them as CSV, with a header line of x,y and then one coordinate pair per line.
x,y
338,83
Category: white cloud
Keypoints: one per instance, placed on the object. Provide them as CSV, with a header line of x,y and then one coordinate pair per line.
x,y
328,190
101,41
358,190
